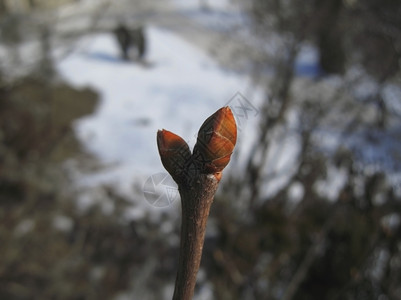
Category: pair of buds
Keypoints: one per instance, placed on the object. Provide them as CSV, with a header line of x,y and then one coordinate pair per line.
x,y
215,144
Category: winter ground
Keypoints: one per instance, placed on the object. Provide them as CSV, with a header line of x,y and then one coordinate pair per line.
x,y
177,89
179,86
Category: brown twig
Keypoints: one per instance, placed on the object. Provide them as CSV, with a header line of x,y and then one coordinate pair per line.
x,y
197,176
196,201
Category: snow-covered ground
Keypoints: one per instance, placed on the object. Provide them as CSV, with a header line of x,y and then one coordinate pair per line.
x,y
221,15
177,89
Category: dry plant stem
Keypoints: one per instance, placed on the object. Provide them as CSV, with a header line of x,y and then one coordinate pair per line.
x,y
196,199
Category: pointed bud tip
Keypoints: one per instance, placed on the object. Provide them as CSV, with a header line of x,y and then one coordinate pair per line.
x,y
174,152
216,140
226,123
167,140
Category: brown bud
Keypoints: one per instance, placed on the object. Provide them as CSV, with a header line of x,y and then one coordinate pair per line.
x,y
216,140
174,152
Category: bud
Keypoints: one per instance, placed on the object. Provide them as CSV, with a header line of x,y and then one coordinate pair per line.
x,y
216,140
174,152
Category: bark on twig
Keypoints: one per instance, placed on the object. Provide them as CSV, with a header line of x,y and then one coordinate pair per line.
x,y
196,202
197,176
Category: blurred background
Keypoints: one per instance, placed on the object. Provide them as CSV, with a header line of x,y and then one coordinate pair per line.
x,y
309,207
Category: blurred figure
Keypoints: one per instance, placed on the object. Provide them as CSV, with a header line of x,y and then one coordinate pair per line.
x,y
131,39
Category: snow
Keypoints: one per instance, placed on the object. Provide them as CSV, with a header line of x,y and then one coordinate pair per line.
x,y
196,4
332,185
177,89
221,15
281,161
296,192
307,62
62,223
392,95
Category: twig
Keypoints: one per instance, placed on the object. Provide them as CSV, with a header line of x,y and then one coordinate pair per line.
x,y
196,204
197,176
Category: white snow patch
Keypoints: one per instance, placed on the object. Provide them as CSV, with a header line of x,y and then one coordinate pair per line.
x,y
332,185
62,223
296,192
179,89
196,4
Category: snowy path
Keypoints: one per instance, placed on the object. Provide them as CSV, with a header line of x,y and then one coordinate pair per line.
x,y
182,86
210,30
